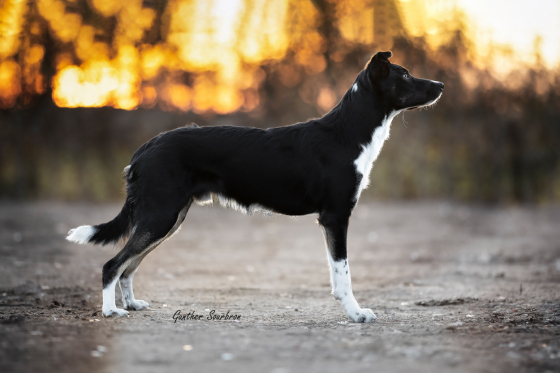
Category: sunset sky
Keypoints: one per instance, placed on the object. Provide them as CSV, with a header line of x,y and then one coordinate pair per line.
x,y
517,23
223,43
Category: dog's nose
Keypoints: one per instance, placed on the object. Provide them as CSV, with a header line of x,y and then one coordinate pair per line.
x,y
438,84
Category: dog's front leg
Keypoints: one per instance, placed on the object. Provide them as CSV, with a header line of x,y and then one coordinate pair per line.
x,y
335,228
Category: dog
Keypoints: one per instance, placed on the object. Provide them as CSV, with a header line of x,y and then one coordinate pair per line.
x,y
317,167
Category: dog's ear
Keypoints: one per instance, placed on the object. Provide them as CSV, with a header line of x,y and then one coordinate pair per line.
x,y
378,67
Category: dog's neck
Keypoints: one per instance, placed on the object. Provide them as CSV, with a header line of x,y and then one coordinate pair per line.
x,y
358,114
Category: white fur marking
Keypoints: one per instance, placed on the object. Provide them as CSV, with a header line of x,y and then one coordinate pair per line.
x,y
204,200
126,290
81,235
355,87
109,305
433,102
371,151
342,291
227,202
129,302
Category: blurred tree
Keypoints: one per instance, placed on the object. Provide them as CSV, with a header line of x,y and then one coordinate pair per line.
x,y
68,68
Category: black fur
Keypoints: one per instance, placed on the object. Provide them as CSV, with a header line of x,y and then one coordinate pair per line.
x,y
295,170
116,229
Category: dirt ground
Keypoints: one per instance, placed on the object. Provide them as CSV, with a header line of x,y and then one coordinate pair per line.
x,y
456,289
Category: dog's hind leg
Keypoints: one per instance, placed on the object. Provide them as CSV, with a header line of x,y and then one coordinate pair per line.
x,y
150,230
125,281
335,228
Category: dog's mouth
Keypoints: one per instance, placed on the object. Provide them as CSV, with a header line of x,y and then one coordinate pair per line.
x,y
427,105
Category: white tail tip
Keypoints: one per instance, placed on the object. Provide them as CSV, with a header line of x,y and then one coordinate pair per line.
x,y
81,234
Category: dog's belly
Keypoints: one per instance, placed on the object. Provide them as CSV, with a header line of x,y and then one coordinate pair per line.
x,y
291,209
249,195
248,184
226,202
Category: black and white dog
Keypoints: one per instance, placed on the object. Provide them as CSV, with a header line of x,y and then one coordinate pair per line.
x,y
320,166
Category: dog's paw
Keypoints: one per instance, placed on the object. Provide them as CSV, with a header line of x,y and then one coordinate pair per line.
x,y
362,315
137,305
115,312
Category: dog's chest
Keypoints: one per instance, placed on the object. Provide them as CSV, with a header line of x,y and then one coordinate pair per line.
x,y
370,152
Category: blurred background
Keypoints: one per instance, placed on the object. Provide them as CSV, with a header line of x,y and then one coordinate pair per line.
x,y
83,83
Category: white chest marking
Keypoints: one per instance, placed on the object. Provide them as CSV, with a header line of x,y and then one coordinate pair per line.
x,y
355,87
371,151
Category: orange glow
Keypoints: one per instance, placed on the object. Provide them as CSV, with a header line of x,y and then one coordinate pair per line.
x,y
149,97
100,82
107,7
326,99
204,38
11,16
438,21
178,95
9,83
32,59
11,20
355,21
65,26
208,54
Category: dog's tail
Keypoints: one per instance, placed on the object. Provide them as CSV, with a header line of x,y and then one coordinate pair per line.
x,y
106,233
112,231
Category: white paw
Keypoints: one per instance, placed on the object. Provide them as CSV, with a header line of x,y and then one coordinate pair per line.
x,y
116,311
362,315
137,305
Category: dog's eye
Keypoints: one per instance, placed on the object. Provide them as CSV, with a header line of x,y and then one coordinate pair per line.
x,y
405,75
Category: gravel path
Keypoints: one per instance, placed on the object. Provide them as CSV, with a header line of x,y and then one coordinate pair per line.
x,y
456,289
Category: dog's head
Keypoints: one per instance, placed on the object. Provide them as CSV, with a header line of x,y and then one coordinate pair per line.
x,y
398,89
